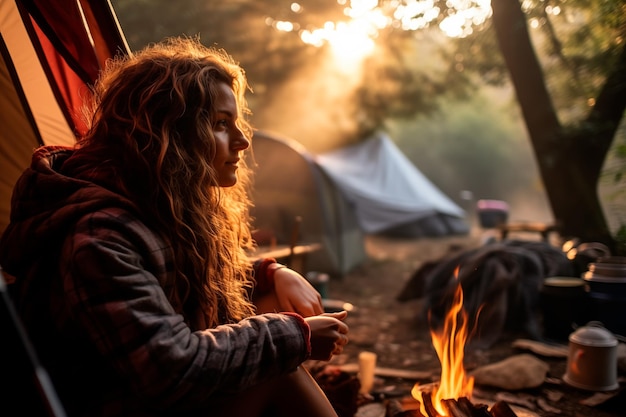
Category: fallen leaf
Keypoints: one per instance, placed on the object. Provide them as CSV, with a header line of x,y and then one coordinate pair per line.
x,y
543,404
598,398
554,396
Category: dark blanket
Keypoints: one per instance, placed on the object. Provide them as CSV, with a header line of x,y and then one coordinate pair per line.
x,y
501,285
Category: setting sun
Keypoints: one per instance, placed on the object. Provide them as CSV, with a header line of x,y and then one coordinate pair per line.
x,y
348,41
355,37
351,42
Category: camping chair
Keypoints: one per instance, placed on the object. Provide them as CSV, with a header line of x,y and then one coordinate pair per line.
x,y
27,389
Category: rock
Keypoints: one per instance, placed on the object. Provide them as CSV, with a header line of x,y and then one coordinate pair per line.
x,y
514,373
371,410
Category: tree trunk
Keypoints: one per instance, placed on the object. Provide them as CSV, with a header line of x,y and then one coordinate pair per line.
x,y
570,161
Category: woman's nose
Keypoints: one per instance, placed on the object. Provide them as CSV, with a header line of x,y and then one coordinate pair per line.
x,y
239,140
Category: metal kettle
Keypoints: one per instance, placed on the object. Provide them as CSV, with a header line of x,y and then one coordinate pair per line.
x,y
592,358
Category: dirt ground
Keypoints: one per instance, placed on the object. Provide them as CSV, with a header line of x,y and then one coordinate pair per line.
x,y
401,339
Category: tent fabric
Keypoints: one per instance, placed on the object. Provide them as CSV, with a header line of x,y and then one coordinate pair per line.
x,y
17,139
389,193
288,184
73,48
51,50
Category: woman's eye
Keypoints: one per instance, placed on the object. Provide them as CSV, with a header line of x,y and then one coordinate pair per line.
x,y
221,123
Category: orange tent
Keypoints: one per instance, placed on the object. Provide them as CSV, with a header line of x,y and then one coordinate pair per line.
x,y
51,51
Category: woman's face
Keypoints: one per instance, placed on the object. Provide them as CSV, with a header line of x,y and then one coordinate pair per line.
x,y
230,141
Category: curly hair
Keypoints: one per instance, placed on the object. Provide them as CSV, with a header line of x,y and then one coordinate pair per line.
x,y
151,124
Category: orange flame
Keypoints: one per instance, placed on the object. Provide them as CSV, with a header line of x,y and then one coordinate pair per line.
x,y
450,346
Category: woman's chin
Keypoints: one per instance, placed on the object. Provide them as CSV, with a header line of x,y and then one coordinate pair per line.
x,y
228,182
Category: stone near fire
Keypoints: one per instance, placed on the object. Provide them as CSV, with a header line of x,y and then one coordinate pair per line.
x,y
371,410
514,373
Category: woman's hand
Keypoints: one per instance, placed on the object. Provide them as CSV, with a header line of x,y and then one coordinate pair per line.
x,y
294,293
328,335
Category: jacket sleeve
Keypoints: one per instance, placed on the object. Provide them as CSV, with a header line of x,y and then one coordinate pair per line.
x,y
112,285
263,278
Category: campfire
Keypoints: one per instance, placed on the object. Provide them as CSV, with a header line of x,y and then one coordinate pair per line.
x,y
452,396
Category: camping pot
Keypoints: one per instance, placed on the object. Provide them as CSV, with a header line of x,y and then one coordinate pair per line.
x,y
592,359
606,289
563,306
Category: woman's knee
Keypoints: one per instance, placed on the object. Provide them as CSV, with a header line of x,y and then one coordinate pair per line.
x,y
293,394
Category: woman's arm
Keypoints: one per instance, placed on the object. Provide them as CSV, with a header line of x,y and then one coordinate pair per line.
x,y
282,289
112,278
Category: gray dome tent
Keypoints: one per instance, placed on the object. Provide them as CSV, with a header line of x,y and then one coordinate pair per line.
x,y
390,195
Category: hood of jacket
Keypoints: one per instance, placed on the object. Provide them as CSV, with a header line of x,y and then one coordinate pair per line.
x,y
44,206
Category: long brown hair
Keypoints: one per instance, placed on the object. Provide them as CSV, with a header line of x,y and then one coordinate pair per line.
x,y
151,125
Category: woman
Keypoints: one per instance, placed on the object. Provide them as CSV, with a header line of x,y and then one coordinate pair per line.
x,y
128,254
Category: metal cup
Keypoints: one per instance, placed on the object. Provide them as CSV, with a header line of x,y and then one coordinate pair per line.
x,y
592,359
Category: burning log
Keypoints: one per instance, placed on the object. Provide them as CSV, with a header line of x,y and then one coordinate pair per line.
x,y
479,410
454,409
394,409
462,407
449,343
428,405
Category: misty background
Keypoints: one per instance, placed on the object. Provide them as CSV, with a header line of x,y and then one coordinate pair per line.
x,y
462,133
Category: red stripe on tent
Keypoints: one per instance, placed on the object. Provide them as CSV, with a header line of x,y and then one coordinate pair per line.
x,y
67,86
63,25
72,53
105,30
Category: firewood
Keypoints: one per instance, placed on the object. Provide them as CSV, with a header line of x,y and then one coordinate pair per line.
x,y
473,410
394,409
410,403
502,409
466,405
453,408
428,405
